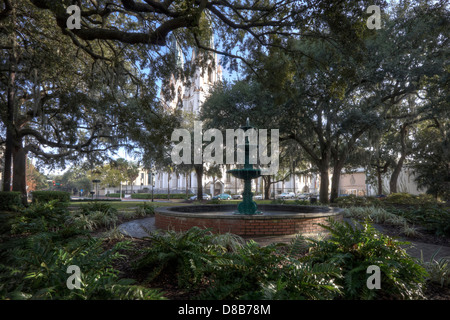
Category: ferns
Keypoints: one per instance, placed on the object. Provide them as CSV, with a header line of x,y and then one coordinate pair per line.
x,y
255,272
220,266
183,253
354,248
34,266
37,270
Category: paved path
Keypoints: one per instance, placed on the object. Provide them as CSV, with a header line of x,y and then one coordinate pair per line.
x,y
138,228
141,227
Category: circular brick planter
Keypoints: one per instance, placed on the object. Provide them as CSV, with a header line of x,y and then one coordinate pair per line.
x,y
276,220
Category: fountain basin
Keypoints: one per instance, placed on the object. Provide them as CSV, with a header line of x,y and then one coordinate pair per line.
x,y
276,220
246,173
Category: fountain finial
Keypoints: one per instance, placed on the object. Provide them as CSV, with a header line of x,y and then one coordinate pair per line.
x,y
247,125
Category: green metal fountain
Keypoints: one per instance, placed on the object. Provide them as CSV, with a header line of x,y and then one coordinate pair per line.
x,y
247,221
248,173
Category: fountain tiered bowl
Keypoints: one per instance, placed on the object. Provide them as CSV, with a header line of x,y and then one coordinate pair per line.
x,y
249,220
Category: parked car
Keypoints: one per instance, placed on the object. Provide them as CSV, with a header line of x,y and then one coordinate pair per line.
x,y
258,197
285,195
303,196
222,196
237,196
205,197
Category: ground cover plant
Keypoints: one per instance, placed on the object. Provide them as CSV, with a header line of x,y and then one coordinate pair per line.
x,y
330,268
354,248
45,238
414,216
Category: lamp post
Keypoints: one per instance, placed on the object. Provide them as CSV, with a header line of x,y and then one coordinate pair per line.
x,y
96,187
151,179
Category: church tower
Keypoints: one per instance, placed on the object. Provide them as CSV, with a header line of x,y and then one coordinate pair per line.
x,y
206,75
189,94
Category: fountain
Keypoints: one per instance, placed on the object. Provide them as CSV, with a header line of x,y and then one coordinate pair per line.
x,y
247,221
248,173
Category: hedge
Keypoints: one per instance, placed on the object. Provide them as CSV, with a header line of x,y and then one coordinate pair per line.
x,y
115,195
10,200
159,196
46,196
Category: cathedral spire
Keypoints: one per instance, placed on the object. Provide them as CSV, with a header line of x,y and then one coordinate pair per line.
x,y
176,49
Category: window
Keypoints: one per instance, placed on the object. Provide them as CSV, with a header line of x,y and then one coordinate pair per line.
x,y
210,75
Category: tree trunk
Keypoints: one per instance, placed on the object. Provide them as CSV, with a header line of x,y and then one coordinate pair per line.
x,y
324,184
267,187
396,174
399,165
168,185
335,179
19,172
7,178
380,171
380,181
294,183
199,172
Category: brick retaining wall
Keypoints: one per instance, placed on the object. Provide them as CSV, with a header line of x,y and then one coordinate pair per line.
x,y
245,226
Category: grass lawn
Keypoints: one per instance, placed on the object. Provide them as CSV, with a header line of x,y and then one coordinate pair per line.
x,y
127,205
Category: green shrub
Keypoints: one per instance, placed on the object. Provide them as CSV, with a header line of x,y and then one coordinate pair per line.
x,y
97,206
400,198
46,196
353,249
10,200
35,268
41,217
95,215
180,254
255,272
145,209
160,196
115,195
374,214
354,201
409,199
435,219
241,274
438,270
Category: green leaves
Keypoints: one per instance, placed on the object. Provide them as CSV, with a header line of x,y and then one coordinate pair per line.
x,y
353,248
184,254
40,266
